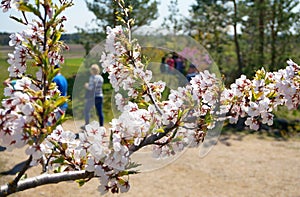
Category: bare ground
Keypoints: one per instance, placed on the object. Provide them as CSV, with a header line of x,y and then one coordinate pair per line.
x,y
239,165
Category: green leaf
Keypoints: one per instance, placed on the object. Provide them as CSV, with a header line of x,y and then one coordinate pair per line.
x,y
132,165
123,173
25,176
160,130
59,160
64,146
57,170
255,96
42,138
80,182
26,7
56,37
52,73
208,118
61,100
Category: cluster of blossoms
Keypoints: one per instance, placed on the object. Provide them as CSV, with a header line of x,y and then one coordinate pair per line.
x,y
91,152
29,113
123,74
20,118
22,41
256,99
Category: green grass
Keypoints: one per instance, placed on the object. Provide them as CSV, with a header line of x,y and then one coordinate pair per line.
x,y
291,115
72,63
4,73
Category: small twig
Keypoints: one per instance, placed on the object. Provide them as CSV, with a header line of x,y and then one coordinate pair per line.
x,y
26,21
47,163
152,138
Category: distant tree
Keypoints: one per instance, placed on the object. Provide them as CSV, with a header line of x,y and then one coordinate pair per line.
x,y
173,21
88,37
70,38
281,21
4,38
261,7
106,14
267,26
235,20
144,11
208,23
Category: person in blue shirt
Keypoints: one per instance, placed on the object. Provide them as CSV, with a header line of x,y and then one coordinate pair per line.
x,y
179,62
62,86
192,72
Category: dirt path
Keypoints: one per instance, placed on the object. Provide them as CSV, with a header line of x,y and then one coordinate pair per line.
x,y
247,166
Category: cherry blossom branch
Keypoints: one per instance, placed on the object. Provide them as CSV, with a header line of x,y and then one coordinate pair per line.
x,y
11,187
45,179
152,139
168,125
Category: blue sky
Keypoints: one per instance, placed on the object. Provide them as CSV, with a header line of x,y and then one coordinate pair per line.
x,y
78,15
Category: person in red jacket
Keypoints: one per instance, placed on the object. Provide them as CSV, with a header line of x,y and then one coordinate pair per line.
x,y
171,62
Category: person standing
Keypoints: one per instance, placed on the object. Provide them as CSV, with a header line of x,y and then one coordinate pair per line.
x,y
62,86
163,65
94,95
192,72
179,62
171,62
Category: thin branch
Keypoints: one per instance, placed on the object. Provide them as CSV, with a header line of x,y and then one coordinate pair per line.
x,y
152,138
12,186
153,100
26,21
45,179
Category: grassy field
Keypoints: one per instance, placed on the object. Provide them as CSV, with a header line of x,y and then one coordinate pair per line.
x,y
70,67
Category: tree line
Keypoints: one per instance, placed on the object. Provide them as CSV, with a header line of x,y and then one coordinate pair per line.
x,y
4,38
240,35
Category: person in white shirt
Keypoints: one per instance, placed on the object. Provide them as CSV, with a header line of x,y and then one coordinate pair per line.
x,y
94,95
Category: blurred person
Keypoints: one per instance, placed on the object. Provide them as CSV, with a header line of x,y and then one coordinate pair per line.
x,y
179,62
94,95
192,72
62,86
163,66
171,62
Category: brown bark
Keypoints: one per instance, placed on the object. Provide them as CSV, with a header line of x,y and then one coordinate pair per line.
x,y
273,38
236,41
261,29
